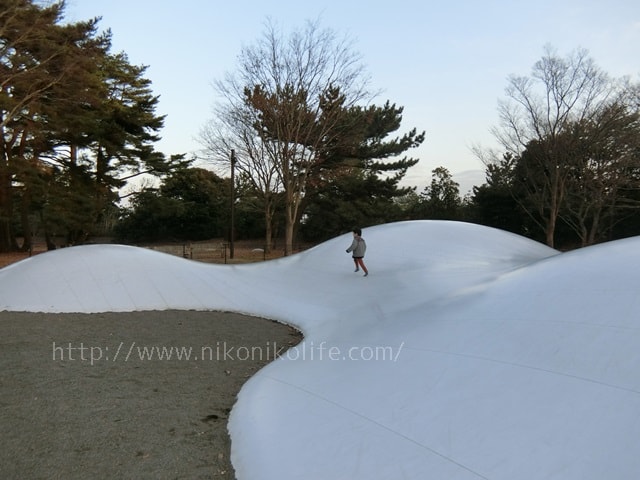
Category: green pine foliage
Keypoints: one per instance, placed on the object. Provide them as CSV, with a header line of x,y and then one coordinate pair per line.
x,y
76,122
359,183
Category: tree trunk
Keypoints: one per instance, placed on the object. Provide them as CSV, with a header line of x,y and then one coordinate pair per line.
x,y
268,228
550,224
550,231
51,245
288,229
24,217
7,241
595,226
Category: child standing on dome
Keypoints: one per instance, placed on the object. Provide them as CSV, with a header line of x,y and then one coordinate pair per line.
x,y
358,247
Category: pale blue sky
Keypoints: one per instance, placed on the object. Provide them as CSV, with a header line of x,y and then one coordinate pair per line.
x,y
446,63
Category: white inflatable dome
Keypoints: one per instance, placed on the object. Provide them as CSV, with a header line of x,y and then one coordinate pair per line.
x,y
467,353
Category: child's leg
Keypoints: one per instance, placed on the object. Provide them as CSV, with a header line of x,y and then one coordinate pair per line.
x,y
360,261
355,261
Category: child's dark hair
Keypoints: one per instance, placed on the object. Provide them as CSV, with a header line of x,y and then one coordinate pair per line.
x,y
357,231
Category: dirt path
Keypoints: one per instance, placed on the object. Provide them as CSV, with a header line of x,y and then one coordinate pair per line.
x,y
142,395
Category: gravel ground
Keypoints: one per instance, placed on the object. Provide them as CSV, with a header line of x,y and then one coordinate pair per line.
x,y
142,395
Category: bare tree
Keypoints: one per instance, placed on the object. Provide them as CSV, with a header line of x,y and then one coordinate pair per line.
x,y
286,101
607,164
538,116
233,129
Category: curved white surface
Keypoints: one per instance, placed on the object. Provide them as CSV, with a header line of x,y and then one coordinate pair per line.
x,y
468,353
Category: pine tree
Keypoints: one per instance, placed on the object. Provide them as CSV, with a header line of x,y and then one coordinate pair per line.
x,y
358,184
75,120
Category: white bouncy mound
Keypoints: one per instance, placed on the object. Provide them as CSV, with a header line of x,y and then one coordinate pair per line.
x,y
467,353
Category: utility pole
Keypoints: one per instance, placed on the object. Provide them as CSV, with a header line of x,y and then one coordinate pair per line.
x,y
233,202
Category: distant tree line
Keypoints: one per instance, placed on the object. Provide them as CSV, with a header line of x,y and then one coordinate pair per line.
x,y
312,156
568,174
